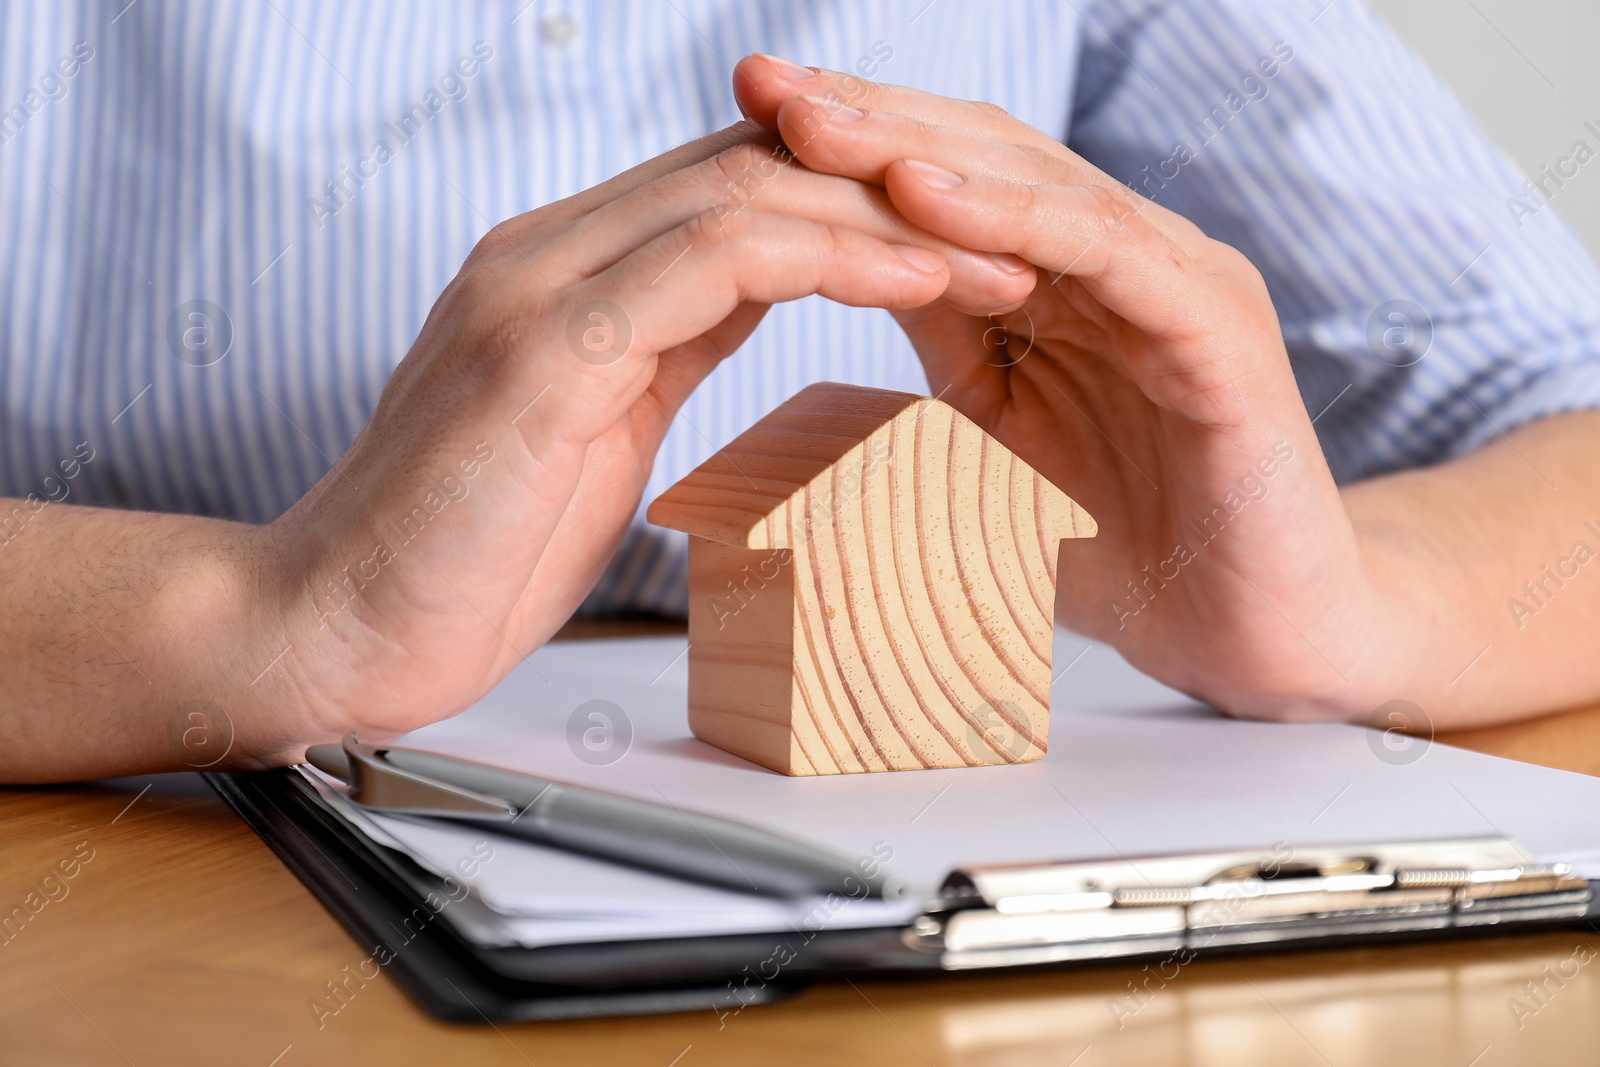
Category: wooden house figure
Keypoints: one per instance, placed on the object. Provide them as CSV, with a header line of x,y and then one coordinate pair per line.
x,y
871,588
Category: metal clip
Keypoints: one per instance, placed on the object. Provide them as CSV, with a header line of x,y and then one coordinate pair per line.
x,y
999,916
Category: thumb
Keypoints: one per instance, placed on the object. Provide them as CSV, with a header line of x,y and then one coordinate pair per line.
x,y
680,370
958,351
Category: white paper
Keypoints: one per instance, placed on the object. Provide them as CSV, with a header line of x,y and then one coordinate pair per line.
x,y
1133,769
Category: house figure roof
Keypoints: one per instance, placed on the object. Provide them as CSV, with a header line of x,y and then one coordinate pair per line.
x,y
752,493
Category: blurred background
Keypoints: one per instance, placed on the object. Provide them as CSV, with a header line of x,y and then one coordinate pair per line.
x,y
1528,69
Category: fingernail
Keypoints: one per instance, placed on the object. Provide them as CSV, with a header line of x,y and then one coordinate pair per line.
x,y
917,258
793,71
835,110
1009,263
936,177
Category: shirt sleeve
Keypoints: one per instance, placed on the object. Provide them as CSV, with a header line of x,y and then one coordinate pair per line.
x,y
1431,297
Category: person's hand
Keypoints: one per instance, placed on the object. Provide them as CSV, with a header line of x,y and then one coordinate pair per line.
x,y
509,450
1144,373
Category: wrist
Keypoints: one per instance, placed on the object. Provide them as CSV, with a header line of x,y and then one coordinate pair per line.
x,y
1375,643
308,641
1335,656
245,687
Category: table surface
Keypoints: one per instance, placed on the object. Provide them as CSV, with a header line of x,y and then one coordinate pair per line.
x,y
182,939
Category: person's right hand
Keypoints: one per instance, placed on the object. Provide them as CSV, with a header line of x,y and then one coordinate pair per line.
x,y
509,450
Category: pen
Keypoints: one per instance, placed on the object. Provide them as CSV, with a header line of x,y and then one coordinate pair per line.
x,y
661,837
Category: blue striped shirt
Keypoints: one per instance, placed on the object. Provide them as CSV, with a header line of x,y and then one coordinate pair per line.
x,y
225,223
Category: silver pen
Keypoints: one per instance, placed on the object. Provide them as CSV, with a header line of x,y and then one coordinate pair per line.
x,y
660,837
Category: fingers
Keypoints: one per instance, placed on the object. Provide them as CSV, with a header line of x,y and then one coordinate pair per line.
x,y
521,236
842,124
1098,235
761,84
763,258
861,144
749,177
864,147
686,282
685,155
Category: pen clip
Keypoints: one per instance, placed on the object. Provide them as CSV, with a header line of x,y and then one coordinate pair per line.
x,y
376,783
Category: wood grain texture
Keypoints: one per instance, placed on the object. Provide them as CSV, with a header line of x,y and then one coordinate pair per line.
x,y
871,587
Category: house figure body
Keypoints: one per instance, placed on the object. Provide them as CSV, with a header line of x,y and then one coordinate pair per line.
x,y
871,587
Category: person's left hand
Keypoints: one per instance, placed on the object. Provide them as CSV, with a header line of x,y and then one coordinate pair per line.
x,y
1145,375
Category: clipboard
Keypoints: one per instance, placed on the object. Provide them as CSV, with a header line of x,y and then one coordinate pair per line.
x,y
458,981
997,908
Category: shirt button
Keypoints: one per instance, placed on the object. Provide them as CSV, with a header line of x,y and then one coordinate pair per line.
x,y
557,29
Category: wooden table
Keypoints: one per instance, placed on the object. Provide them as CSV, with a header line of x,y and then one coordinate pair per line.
x,y
184,940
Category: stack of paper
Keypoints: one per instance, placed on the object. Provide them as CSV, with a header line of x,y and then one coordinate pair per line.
x,y
525,894
1134,769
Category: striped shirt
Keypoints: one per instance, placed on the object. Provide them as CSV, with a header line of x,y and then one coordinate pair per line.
x,y
224,223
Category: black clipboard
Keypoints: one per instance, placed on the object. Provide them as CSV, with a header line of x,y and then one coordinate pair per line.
x,y
456,980
459,981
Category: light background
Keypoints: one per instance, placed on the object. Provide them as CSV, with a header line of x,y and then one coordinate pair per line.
x,y
1529,70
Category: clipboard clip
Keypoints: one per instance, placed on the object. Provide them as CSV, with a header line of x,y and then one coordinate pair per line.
x,y
989,916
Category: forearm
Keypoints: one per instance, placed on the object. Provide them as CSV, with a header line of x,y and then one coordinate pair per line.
x,y
1486,573
137,642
